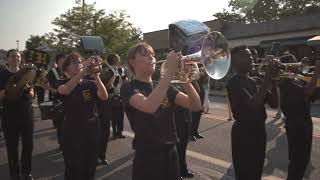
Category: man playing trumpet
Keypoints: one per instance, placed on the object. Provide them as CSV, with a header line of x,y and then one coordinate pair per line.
x,y
296,97
248,109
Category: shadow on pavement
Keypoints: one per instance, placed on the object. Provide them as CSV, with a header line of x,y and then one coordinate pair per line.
x,y
117,170
45,166
277,158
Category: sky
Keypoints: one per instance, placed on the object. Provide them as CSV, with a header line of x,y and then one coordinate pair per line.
x,y
21,18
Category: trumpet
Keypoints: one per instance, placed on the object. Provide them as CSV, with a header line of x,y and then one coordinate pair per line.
x,y
295,71
286,67
214,56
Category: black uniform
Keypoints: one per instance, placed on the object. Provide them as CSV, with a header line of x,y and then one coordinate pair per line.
x,y
80,132
54,81
117,109
182,120
155,138
104,111
298,122
248,136
17,122
196,116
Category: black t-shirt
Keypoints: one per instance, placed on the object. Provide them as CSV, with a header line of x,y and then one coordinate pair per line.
x,y
294,105
240,90
23,103
151,130
79,106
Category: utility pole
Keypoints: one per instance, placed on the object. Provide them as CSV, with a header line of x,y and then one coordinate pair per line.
x,y
17,41
83,23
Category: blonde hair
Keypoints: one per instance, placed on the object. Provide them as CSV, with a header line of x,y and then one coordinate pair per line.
x,y
140,48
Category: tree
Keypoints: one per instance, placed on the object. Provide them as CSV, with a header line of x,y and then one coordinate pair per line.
x,y
34,42
252,11
118,34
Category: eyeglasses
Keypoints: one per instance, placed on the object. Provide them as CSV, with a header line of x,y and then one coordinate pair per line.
x,y
76,62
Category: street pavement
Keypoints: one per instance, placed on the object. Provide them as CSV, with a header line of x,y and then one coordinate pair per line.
x,y
209,158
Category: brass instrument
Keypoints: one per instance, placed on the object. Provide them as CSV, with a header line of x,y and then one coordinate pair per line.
x,y
214,56
41,79
290,71
20,81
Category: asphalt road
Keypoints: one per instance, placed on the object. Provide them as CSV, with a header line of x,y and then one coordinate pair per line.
x,y
208,158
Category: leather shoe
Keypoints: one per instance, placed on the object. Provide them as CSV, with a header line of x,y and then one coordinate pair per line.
x,y
192,138
27,177
187,174
103,161
121,136
198,136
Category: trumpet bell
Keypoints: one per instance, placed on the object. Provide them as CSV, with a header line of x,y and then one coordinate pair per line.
x,y
215,55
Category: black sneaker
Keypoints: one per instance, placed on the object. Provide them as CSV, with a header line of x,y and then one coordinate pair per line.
x,y
121,136
27,177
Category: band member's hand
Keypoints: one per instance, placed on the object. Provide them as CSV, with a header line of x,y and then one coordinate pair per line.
x,y
189,73
173,60
95,67
87,64
273,67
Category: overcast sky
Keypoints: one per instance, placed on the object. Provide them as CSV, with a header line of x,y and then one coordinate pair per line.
x,y
22,18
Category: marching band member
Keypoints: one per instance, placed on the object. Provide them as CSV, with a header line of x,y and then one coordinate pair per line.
x,y
247,105
117,111
183,121
149,107
55,75
17,122
296,98
80,124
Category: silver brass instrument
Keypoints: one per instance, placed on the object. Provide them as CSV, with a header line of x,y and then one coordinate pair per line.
x,y
290,71
20,81
214,56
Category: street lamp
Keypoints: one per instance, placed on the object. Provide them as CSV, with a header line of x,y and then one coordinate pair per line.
x,y
17,41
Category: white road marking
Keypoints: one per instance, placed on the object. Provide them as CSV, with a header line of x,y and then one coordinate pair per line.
x,y
208,159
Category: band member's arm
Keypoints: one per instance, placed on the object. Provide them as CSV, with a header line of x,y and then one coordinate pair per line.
x,y
191,100
311,86
101,92
68,87
267,87
31,92
151,103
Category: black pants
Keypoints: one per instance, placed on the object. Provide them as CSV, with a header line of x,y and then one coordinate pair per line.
x,y
104,128
299,137
195,121
182,121
159,163
58,121
196,116
80,153
15,127
40,94
248,151
117,115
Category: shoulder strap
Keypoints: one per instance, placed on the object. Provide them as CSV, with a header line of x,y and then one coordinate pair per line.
x,y
54,70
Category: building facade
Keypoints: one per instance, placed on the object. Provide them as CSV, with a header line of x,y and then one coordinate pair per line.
x,y
292,33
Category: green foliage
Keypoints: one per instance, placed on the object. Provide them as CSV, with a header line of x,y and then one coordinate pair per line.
x,y
35,42
252,11
118,34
